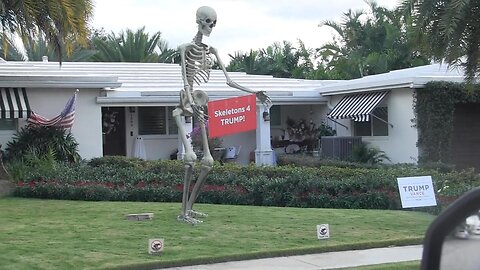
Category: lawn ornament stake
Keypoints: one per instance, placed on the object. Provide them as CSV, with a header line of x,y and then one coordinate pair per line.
x,y
196,63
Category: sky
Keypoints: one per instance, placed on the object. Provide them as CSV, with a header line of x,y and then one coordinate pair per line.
x,y
241,24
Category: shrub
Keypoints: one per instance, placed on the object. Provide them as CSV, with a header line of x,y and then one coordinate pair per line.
x,y
32,165
116,161
311,161
363,153
292,186
40,141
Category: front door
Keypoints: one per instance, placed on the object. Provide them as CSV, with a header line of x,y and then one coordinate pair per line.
x,y
113,129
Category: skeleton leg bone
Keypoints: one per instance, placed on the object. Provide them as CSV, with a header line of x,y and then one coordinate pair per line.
x,y
189,161
206,167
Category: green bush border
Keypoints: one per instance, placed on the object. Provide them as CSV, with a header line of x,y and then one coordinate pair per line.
x,y
434,107
123,179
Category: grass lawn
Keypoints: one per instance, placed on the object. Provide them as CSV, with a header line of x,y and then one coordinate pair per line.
x,y
49,234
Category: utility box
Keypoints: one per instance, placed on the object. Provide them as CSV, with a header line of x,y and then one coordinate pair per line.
x,y
338,147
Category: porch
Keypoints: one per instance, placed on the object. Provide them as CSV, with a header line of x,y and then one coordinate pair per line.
x,y
129,129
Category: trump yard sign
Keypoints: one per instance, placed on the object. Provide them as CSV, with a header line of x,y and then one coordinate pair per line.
x,y
416,191
232,115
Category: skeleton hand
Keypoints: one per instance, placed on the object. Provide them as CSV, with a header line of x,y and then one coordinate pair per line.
x,y
264,98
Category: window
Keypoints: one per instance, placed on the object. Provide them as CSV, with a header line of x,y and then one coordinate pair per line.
x,y
8,124
374,127
275,116
156,121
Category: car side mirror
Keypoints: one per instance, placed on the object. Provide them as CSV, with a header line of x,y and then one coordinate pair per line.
x,y
452,240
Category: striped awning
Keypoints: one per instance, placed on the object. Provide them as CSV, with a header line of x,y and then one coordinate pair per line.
x,y
357,107
14,103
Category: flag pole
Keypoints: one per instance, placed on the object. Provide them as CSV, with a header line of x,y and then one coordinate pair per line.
x,y
75,93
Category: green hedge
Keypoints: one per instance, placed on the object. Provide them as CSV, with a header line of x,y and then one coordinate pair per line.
x,y
435,109
121,179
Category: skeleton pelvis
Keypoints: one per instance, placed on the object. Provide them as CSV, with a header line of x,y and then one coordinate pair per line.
x,y
200,97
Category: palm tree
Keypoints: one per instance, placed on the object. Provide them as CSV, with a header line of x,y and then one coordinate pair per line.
x,y
451,29
305,69
37,48
132,47
166,54
9,50
244,62
348,47
371,42
279,60
63,23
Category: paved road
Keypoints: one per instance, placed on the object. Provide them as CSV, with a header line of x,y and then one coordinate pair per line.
x,y
330,260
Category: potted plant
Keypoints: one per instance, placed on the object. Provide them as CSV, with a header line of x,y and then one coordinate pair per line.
x,y
196,137
307,134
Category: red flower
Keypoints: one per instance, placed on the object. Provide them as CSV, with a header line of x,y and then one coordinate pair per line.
x,y
140,185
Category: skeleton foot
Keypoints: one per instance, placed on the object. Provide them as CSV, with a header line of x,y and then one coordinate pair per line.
x,y
197,214
188,219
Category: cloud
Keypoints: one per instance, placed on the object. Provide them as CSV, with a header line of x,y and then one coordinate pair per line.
x,y
242,24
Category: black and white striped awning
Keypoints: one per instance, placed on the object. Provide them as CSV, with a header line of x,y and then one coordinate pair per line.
x,y
14,103
357,107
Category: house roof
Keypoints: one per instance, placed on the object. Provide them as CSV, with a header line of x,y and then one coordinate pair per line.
x,y
415,77
51,75
131,84
147,83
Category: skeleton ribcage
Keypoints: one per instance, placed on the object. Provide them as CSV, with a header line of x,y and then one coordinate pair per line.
x,y
198,64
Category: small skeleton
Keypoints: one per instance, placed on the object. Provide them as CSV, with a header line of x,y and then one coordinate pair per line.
x,y
196,63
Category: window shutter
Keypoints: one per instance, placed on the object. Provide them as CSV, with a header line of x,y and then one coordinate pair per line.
x,y
152,120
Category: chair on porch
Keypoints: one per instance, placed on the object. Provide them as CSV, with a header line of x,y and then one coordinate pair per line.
x,y
231,153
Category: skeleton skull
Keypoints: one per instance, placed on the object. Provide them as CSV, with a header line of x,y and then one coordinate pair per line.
x,y
206,20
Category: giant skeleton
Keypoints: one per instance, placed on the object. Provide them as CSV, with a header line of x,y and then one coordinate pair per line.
x,y
196,63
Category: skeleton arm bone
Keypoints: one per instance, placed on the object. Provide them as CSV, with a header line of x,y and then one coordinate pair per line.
x,y
261,95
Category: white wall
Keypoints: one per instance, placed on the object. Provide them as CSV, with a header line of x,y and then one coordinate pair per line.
x,y
87,128
6,135
400,144
161,146
156,146
247,142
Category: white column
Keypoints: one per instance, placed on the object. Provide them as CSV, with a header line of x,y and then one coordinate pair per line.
x,y
263,152
188,127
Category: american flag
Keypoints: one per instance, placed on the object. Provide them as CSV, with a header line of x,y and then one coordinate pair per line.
x,y
64,119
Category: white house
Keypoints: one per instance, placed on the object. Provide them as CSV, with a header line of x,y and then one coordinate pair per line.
x,y
379,108
135,101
